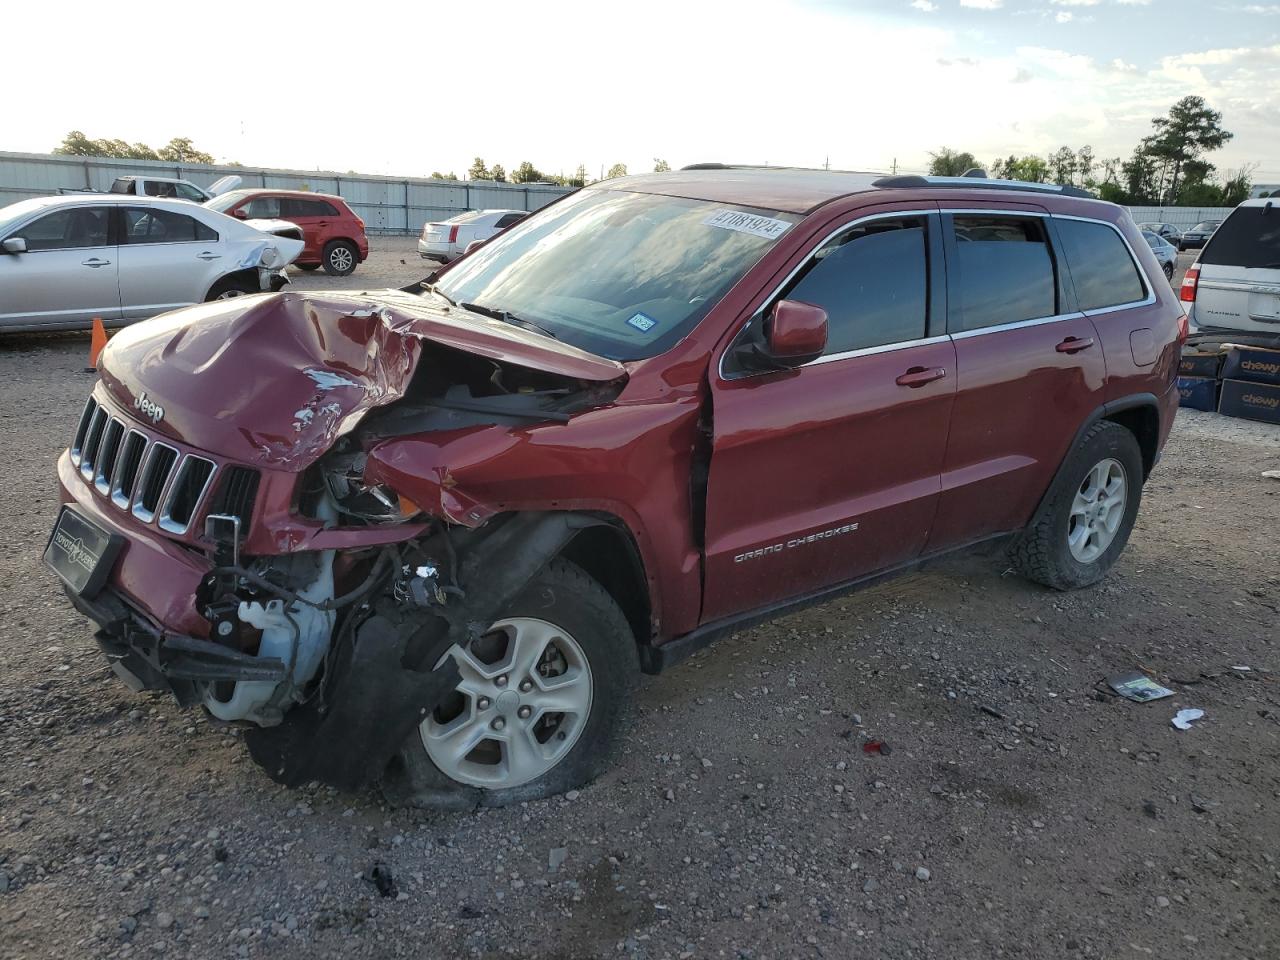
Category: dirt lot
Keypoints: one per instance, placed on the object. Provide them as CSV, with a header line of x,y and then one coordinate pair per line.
x,y
744,819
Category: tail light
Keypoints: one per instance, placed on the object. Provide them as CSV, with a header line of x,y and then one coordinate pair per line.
x,y
453,234
1189,283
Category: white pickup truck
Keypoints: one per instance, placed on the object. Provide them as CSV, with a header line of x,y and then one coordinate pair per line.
x,y
172,187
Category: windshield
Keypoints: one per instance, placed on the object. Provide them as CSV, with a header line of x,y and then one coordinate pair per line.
x,y
225,201
19,211
1250,237
1205,226
622,275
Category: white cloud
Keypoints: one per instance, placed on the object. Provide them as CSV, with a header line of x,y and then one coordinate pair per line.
x,y
1063,16
924,6
1076,3
1267,10
982,4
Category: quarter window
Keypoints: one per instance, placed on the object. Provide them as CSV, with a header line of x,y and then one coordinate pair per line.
x,y
1006,272
873,283
1102,271
153,225
507,219
67,229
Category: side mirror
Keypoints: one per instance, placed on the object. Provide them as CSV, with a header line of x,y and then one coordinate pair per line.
x,y
795,333
15,245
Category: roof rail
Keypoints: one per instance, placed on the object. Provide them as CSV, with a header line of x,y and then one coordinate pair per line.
x,y
979,183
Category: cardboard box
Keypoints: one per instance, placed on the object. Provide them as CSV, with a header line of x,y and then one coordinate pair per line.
x,y
1198,393
1253,401
1255,364
1200,364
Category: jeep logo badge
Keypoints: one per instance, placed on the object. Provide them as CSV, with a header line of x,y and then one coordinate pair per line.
x,y
149,408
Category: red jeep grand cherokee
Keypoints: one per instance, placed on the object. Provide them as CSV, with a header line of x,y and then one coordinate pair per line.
x,y
429,536
334,235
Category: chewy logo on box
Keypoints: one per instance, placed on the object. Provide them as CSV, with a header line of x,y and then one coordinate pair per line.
x,y
1254,364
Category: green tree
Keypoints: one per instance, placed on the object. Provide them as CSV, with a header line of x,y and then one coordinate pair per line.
x,y
181,150
1062,165
498,173
617,170
1028,169
76,144
660,166
1141,178
1190,130
478,170
1085,164
948,163
437,175
527,173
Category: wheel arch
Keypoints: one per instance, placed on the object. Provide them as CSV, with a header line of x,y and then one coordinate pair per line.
x,y
608,554
247,276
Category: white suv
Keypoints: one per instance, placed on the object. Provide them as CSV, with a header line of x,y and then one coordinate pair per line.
x,y
1234,286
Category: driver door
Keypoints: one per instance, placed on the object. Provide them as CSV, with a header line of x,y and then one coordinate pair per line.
x,y
829,472
68,275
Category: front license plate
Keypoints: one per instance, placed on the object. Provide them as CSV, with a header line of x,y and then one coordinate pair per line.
x,y
81,552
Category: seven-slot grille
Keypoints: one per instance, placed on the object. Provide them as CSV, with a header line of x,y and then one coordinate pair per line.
x,y
143,475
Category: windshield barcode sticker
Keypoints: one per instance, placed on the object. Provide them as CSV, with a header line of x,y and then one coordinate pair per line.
x,y
766,227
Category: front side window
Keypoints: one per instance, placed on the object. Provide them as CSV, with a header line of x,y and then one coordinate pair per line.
x,y
873,283
151,225
620,274
1249,238
67,229
1005,272
188,192
1102,271
262,208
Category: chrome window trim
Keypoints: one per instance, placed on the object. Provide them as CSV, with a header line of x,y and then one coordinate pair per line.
x,y
1016,325
117,498
139,511
827,238
166,521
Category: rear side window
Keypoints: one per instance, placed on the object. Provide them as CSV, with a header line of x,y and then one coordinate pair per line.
x,y
1102,271
164,226
508,219
297,207
1250,237
873,283
1006,272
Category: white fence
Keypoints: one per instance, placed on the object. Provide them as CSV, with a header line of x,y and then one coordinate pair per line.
x,y
385,204
1184,218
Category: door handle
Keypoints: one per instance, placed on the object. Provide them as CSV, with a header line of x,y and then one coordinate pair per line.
x,y
95,262
1074,344
919,376
208,256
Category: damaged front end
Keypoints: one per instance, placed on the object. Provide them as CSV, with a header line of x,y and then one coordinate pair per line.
x,y
296,552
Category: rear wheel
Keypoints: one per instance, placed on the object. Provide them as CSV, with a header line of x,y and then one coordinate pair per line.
x,y
339,258
538,709
229,287
1092,508
1168,272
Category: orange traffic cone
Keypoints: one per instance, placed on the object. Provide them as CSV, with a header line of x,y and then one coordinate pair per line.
x,y
98,341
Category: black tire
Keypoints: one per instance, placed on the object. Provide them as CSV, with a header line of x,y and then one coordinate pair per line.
x,y
340,258
566,596
1041,552
1168,272
231,287
307,266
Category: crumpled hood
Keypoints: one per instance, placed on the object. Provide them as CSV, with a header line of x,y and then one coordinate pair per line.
x,y
275,379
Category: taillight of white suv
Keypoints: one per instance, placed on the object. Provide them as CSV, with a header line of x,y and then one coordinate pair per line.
x,y
1189,284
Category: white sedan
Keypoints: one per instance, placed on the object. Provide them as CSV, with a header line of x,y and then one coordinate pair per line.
x,y
449,239
65,260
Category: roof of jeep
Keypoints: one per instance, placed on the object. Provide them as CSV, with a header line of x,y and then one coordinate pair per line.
x,y
800,190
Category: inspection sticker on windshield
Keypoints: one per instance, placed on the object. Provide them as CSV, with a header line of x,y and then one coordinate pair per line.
x,y
766,227
643,322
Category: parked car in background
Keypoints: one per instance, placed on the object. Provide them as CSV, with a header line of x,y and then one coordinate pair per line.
x,y
335,236
65,260
172,188
448,239
1166,253
429,536
1234,285
1166,231
1197,236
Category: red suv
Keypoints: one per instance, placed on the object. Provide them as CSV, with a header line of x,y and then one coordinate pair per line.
x,y
430,536
334,235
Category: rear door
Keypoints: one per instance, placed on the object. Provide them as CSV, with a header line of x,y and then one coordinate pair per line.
x,y
825,473
1029,370
1239,285
167,260
68,274
315,217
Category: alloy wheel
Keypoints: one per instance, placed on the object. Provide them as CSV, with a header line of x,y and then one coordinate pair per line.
x,y
1097,510
521,705
340,259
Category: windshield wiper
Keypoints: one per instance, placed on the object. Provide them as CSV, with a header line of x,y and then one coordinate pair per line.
x,y
508,317
433,288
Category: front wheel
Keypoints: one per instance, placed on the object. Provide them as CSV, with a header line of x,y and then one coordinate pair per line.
x,y
539,706
1091,511
339,258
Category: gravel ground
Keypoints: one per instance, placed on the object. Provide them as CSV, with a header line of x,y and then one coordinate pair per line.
x,y
1020,811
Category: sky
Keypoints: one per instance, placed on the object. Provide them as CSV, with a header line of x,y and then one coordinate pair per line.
x,y
406,88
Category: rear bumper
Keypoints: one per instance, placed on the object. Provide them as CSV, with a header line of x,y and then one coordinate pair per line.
x,y
432,250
